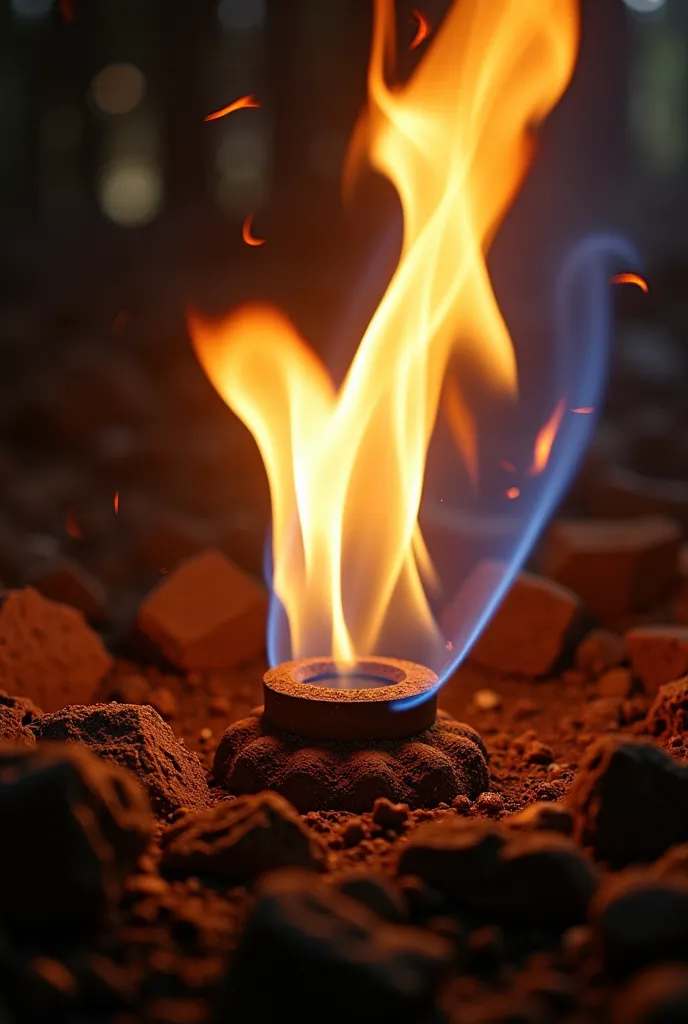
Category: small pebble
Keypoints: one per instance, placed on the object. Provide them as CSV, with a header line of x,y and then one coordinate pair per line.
x,y
490,803
164,702
538,753
461,804
487,700
389,815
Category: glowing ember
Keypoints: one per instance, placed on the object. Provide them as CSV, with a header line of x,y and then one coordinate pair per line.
x,y
72,528
346,469
584,410
115,503
635,279
247,233
423,29
244,102
513,492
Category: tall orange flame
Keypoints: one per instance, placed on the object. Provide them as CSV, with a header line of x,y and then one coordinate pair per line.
x,y
346,468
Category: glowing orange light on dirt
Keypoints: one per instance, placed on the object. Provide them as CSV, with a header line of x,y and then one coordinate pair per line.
x,y
243,103
346,468
72,528
545,440
247,233
635,279
423,29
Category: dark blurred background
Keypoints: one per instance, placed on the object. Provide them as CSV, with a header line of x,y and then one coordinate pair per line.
x,y
120,206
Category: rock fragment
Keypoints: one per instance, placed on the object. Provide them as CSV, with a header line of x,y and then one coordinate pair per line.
x,y
614,565
48,652
668,716
630,801
73,829
641,921
66,581
206,614
543,816
305,943
13,730
544,879
600,650
529,630
659,654
537,878
136,738
237,840
615,682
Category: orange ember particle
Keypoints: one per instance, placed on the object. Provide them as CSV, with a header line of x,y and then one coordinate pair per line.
x,y
67,10
545,440
240,104
72,527
115,503
631,279
584,410
119,323
507,466
513,492
247,235
423,30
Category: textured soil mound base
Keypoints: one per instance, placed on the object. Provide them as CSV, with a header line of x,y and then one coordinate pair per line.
x,y
435,766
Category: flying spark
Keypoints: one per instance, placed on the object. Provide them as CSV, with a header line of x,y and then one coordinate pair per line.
x,y
635,279
422,31
240,104
247,235
584,410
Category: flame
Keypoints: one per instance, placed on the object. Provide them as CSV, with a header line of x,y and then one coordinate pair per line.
x,y
247,234
545,440
346,468
242,103
635,279
423,29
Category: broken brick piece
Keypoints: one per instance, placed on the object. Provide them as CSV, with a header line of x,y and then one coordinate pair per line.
x,y
207,614
614,565
48,652
659,654
529,630
69,583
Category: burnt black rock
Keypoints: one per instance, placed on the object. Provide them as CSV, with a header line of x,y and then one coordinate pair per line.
x,y
136,738
630,801
641,920
309,953
73,828
237,840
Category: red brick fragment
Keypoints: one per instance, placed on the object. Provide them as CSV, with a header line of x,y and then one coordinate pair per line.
x,y
529,629
659,654
48,652
68,582
615,565
207,614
